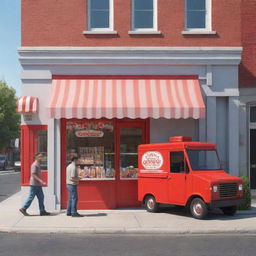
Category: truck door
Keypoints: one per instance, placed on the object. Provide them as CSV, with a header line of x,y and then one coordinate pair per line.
x,y
177,178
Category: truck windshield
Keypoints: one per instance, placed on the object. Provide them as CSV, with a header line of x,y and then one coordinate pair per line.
x,y
204,160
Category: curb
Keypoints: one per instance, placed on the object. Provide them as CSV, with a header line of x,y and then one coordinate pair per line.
x,y
123,231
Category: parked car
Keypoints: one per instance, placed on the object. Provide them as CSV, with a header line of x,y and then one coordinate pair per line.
x,y
17,165
3,162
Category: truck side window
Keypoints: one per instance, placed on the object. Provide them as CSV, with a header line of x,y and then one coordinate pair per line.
x,y
177,164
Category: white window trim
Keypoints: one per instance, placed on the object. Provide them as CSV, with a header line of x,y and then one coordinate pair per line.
x,y
100,30
144,30
208,21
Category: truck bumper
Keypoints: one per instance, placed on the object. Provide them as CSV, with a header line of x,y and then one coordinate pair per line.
x,y
226,203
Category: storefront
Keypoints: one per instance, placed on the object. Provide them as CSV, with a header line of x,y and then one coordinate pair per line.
x,y
101,112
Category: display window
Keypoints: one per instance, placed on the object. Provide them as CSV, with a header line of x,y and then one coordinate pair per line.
x,y
93,143
130,138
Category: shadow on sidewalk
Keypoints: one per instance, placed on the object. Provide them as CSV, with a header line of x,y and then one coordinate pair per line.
x,y
95,215
215,214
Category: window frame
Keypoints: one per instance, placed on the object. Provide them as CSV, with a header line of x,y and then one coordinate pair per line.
x,y
111,18
208,18
155,24
185,166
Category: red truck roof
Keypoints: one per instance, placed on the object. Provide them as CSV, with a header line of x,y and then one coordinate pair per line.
x,y
179,143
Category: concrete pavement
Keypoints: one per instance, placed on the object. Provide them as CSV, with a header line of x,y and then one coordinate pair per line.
x,y
127,221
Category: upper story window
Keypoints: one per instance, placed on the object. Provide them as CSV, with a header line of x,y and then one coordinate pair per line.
x,y
198,15
144,14
100,15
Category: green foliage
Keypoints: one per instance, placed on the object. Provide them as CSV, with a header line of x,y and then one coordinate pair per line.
x,y
9,119
247,194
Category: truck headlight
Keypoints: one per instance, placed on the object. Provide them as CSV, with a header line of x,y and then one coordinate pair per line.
x,y
215,189
240,187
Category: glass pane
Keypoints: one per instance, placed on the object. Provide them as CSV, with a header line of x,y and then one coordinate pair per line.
x,y
253,114
195,4
99,19
204,160
42,147
143,4
177,162
93,143
196,19
130,138
143,19
100,4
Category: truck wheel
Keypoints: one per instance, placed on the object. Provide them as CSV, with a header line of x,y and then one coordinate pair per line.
x,y
151,204
198,208
230,211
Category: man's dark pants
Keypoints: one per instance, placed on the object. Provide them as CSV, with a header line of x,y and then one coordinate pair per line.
x,y
72,199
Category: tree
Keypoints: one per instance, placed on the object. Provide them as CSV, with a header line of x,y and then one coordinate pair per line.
x,y
9,119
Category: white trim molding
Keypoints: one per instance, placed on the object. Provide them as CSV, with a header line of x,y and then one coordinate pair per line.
x,y
84,56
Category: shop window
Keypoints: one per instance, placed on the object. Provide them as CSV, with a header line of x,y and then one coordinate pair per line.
x,y
178,164
93,143
252,114
100,14
130,138
144,15
42,147
198,14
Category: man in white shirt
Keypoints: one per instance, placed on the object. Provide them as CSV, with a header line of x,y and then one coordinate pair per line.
x,y
72,180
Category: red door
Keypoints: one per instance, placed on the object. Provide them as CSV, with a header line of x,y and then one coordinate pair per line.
x,y
177,178
129,136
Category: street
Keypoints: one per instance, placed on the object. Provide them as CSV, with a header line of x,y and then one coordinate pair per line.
x,y
99,245
9,183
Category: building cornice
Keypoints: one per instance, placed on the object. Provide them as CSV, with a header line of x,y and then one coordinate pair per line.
x,y
129,56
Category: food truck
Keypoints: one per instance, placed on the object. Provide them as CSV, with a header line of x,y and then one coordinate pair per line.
x,y
186,173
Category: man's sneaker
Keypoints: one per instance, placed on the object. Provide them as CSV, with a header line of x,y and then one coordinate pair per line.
x,y
24,212
68,214
44,213
77,215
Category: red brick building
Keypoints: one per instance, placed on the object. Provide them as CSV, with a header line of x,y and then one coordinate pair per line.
x,y
107,75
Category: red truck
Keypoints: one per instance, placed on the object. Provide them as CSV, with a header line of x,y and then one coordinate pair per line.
x,y
186,173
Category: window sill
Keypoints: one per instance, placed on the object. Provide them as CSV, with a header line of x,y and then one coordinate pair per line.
x,y
103,32
145,32
198,32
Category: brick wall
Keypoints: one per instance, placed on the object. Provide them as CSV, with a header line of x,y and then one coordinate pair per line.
x,y
61,23
247,70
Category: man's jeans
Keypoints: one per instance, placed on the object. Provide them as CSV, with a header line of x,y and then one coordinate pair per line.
x,y
35,191
72,199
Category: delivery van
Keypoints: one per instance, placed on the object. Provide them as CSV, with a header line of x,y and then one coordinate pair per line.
x,y
186,173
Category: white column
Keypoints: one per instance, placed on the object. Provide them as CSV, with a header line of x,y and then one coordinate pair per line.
x,y
233,135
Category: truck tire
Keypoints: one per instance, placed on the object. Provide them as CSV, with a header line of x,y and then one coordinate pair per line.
x,y
151,204
198,208
229,211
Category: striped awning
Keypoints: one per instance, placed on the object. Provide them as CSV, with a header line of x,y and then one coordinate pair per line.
x,y
121,98
27,104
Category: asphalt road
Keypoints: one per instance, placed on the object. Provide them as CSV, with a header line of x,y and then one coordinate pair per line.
x,y
132,245
9,183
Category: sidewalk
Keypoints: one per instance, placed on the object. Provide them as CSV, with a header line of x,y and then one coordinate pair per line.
x,y
170,220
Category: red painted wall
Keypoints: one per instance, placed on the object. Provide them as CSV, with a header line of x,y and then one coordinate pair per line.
x,y
61,23
247,69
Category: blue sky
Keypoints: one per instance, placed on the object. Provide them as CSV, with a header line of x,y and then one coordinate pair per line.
x,y
9,42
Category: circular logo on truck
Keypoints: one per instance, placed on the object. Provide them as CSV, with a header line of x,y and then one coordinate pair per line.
x,y
152,160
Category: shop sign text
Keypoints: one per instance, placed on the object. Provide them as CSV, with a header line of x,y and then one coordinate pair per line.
x,y
152,160
89,134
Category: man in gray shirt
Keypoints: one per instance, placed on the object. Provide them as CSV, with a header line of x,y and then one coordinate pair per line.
x,y
72,180
36,184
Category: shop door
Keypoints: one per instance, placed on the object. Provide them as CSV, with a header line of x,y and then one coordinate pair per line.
x,y
129,136
253,158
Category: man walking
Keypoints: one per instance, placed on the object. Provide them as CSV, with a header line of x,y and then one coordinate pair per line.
x,y
72,182
36,184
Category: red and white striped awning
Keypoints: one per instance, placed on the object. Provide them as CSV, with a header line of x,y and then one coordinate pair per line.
x,y
132,98
27,104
